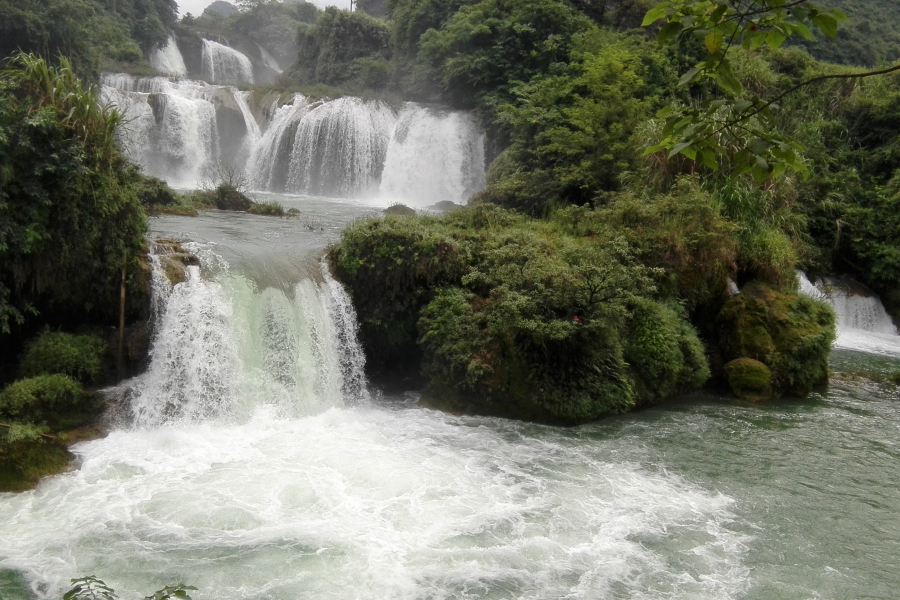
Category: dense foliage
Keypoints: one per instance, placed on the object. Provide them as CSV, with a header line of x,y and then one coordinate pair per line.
x,y
546,320
88,32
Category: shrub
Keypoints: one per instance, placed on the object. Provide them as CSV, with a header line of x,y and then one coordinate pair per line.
x,y
271,209
46,399
78,356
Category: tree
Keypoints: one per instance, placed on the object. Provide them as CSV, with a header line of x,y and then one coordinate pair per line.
x,y
733,124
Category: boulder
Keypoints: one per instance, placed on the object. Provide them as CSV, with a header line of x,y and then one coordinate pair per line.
x,y
749,379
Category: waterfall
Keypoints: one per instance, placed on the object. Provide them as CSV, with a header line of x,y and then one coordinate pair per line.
x,y
222,346
222,64
178,129
268,166
854,306
168,59
433,156
269,60
339,148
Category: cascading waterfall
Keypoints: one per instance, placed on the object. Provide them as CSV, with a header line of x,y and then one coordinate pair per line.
x,y
222,347
168,59
267,168
222,64
862,321
339,148
433,156
269,60
854,307
179,130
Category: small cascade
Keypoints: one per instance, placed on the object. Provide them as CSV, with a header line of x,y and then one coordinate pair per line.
x,y
434,156
339,148
168,59
269,60
854,306
222,347
222,64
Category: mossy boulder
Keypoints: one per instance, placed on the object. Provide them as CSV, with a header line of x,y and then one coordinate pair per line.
x,y
789,333
399,210
24,462
749,379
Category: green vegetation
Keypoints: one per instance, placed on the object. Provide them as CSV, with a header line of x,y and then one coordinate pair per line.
x,y
82,357
92,34
71,218
788,333
749,379
543,320
91,588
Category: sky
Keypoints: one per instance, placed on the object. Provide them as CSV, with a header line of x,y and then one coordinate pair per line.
x,y
195,7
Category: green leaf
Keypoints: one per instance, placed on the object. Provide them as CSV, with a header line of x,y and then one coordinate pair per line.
x,y
827,24
690,76
679,148
668,32
707,157
804,31
713,41
655,14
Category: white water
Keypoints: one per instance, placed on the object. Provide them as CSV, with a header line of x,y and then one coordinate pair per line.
x,y
347,147
433,156
862,322
168,60
222,64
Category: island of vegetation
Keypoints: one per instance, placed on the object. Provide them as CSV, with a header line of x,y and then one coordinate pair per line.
x,y
592,276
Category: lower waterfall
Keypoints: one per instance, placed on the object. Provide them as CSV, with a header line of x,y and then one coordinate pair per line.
x,y
221,343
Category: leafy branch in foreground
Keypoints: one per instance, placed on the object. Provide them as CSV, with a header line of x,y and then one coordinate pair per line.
x,y
91,588
735,123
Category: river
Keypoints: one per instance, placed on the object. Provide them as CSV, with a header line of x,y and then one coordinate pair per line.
x,y
268,475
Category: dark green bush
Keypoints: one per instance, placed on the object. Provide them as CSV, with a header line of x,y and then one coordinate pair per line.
x,y
45,399
81,357
517,317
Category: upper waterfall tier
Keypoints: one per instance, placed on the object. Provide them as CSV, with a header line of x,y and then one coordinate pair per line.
x,y
169,60
182,131
222,64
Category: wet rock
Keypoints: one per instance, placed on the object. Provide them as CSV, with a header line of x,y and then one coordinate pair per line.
x,y
749,379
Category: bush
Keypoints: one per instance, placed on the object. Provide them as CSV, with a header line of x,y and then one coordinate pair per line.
x,y
516,317
271,209
78,356
53,400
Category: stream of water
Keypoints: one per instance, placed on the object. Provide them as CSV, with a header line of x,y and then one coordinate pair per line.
x,y
254,466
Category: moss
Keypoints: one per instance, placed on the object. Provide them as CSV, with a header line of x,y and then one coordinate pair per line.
x,y
399,210
515,317
789,333
270,209
749,379
176,209
82,357
25,462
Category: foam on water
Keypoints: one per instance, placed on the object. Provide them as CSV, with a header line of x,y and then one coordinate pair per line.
x,y
374,503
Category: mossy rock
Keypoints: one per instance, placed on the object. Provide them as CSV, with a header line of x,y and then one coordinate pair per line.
x,y
23,463
749,379
789,333
399,210
175,260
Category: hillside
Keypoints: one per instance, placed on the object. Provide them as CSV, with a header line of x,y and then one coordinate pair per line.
x,y
872,35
